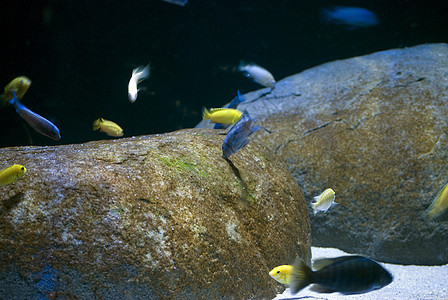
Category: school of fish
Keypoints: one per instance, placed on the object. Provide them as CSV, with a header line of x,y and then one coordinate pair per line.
x,y
346,274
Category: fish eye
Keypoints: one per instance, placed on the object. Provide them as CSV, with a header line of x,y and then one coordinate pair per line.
x,y
278,272
22,168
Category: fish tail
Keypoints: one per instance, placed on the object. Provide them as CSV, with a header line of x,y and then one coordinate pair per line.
x,y
325,15
142,73
205,114
301,276
145,72
14,101
435,209
432,212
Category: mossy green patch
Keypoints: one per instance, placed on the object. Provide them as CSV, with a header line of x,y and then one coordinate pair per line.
x,y
183,165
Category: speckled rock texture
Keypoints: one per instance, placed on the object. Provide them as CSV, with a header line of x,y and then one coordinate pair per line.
x,y
373,128
151,217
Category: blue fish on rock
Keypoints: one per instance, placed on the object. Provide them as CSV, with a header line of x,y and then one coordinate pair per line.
x,y
238,136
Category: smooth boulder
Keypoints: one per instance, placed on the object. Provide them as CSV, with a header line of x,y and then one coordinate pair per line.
x,y
374,129
150,217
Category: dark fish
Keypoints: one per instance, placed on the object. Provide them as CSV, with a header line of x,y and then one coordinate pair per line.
x,y
345,274
39,123
233,104
238,135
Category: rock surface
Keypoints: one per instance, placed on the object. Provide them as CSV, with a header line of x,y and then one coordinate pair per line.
x,y
150,217
373,128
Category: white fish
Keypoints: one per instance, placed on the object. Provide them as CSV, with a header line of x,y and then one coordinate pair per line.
x,y
257,74
138,75
324,201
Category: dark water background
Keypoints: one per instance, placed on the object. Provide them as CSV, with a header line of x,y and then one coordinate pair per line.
x,y
80,54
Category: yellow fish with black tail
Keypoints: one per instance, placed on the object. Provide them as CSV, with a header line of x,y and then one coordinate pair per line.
x,y
439,205
282,274
225,116
11,174
109,127
17,86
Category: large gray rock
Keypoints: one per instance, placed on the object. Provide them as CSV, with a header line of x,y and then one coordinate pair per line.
x,y
373,128
150,217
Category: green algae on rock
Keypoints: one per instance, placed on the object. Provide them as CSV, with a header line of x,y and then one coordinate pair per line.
x,y
162,216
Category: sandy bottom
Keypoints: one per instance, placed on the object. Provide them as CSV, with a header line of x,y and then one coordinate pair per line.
x,y
410,282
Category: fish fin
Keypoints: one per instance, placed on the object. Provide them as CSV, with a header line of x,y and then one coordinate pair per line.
x,y
221,126
238,96
14,101
432,211
246,142
144,72
321,289
212,110
255,129
301,276
320,263
205,114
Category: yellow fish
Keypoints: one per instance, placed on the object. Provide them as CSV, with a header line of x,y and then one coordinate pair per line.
x,y
109,127
282,274
225,116
439,205
324,201
11,174
19,86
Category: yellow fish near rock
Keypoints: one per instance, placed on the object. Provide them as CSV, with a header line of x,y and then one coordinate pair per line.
x,y
109,127
19,86
439,205
282,274
324,201
11,174
225,116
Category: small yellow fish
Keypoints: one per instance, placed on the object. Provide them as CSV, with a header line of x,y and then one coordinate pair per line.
x,y
324,201
11,174
109,127
225,116
19,86
439,205
282,274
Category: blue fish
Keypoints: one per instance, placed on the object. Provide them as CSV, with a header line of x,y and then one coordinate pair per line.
x,y
354,17
238,136
39,123
233,104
